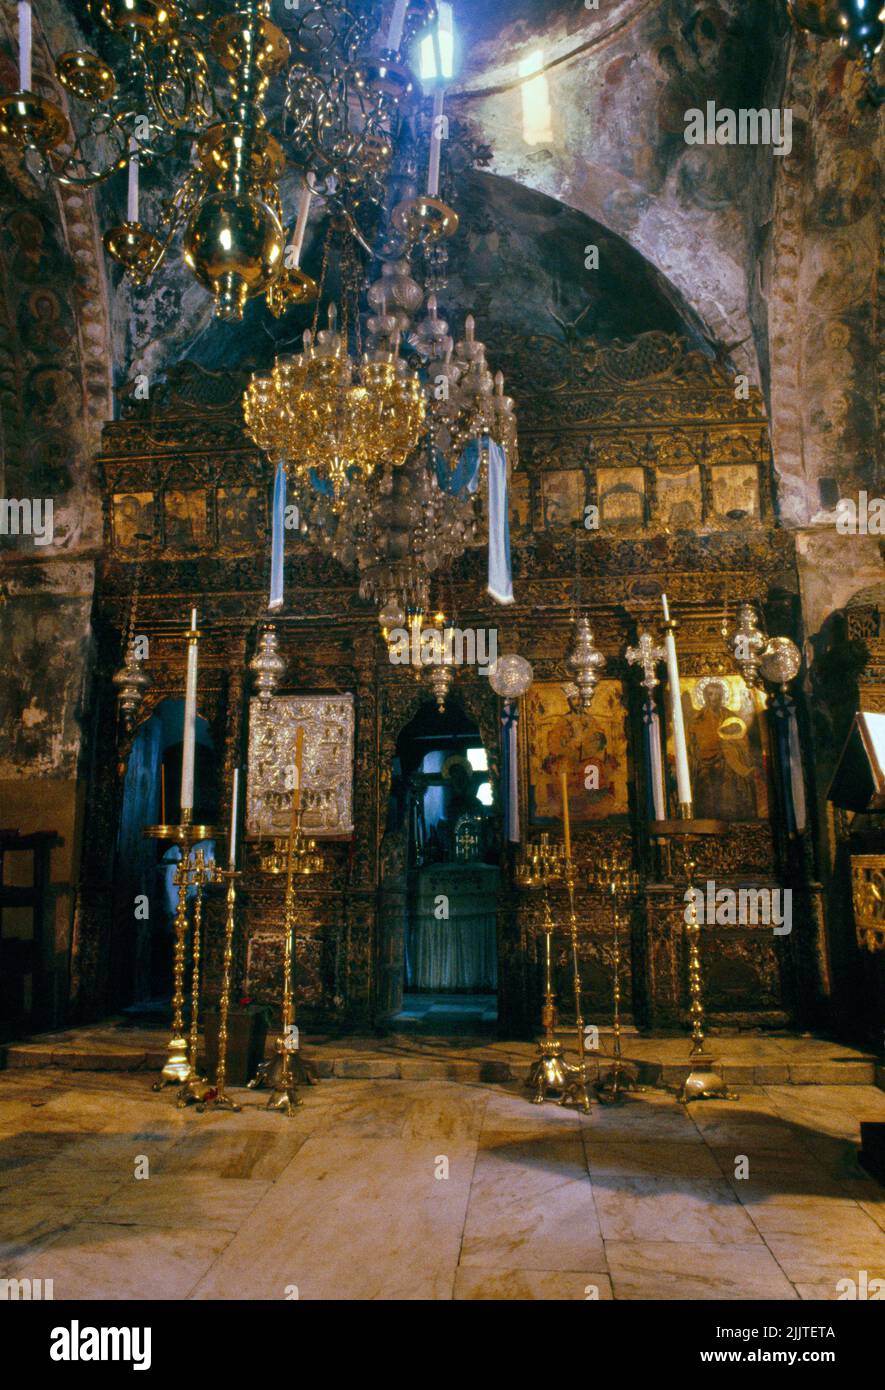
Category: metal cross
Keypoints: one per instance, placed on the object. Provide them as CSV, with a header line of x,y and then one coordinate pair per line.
x,y
648,656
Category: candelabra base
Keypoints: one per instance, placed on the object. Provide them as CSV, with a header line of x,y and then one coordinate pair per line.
x,y
176,1069
193,1091
282,1075
704,1082
218,1101
552,1073
618,1081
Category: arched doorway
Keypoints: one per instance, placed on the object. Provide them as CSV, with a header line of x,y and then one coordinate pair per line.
x,y
439,897
144,891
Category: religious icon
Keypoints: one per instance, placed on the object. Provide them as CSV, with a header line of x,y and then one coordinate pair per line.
x,y
185,517
727,748
678,501
735,492
133,517
621,496
240,516
562,497
327,765
591,748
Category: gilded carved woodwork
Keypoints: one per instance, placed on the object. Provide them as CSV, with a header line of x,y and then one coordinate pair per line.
x,y
661,444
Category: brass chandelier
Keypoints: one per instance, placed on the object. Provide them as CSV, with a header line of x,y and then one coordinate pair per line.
x,y
150,98
331,417
386,449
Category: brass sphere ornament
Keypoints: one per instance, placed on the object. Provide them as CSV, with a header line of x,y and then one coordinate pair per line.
x,y
234,246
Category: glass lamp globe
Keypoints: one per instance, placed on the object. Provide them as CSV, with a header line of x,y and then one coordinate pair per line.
x,y
510,676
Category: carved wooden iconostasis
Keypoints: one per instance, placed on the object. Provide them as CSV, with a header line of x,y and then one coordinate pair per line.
x,y
651,434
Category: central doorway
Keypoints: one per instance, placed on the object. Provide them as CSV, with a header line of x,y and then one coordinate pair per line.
x,y
442,904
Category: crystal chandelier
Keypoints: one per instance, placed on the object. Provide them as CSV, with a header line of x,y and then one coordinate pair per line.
x,y
152,101
333,420
395,529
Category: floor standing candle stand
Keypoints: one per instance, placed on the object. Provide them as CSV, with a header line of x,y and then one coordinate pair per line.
x,y
621,1077
177,1070
219,1099
704,1081
193,1091
287,1069
551,1073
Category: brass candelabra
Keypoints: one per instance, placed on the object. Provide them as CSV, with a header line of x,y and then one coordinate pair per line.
x,y
619,880
539,862
194,1088
218,1098
703,1081
283,1073
550,1076
179,1069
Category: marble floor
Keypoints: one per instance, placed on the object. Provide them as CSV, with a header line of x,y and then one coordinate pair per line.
x,y
435,1189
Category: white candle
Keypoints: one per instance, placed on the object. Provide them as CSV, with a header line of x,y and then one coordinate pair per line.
x,y
232,854
439,97
683,779
24,45
397,21
301,223
190,722
132,201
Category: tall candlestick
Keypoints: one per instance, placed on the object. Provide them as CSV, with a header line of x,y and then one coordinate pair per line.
x,y
301,224
296,790
683,778
24,45
132,199
566,828
232,841
190,719
397,21
436,131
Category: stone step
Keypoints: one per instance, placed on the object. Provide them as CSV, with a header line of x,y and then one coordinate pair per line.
x,y
364,1064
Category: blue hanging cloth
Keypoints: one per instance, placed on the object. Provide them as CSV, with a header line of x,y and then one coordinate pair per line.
x,y
654,778
789,763
466,475
509,770
500,576
276,548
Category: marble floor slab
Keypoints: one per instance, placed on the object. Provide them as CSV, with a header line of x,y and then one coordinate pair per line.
x,y
435,1189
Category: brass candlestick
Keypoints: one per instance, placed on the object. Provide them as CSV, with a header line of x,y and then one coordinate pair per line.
x,y
704,1081
284,1071
576,1090
549,1072
176,1070
620,1078
220,1100
193,1090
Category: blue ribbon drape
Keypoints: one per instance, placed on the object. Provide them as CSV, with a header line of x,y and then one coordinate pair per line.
x,y
276,548
789,763
466,476
654,775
